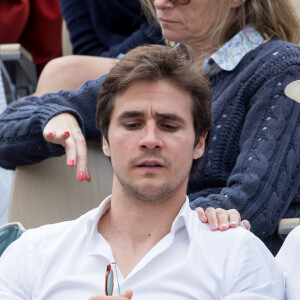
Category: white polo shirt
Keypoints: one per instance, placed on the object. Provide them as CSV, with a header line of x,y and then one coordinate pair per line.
x,y
288,259
67,261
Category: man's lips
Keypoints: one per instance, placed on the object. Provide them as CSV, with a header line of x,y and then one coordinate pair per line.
x,y
150,164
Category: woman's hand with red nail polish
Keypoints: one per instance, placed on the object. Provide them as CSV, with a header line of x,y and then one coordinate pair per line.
x,y
63,129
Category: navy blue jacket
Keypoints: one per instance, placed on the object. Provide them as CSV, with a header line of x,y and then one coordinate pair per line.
x,y
107,27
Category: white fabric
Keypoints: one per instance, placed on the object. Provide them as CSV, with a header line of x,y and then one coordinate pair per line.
x,y
6,176
3,103
68,261
289,261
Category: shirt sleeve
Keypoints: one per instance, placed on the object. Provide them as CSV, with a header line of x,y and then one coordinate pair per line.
x,y
22,123
15,278
256,275
265,178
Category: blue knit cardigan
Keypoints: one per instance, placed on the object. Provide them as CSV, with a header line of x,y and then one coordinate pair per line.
x,y
108,27
252,162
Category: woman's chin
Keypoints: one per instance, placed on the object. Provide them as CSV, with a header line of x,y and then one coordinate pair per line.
x,y
172,36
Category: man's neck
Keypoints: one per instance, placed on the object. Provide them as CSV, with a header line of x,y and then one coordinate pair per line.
x,y
133,227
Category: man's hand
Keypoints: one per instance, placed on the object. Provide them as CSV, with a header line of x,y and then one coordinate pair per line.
x,y
221,219
127,295
63,129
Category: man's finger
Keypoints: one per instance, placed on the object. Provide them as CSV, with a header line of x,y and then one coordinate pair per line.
x,y
201,214
128,294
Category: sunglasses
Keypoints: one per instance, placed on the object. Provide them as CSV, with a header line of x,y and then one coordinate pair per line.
x,y
109,279
179,2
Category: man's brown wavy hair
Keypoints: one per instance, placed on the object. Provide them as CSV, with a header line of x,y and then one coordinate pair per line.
x,y
153,63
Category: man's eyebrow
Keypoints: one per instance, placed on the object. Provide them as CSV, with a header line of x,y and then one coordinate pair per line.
x,y
130,114
171,117
160,116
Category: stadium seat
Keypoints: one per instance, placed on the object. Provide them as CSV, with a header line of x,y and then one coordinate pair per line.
x,y
48,192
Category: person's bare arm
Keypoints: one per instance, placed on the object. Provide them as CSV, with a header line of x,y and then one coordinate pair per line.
x,y
58,74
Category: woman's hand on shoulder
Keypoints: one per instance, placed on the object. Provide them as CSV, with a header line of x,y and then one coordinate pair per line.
x,y
221,219
63,129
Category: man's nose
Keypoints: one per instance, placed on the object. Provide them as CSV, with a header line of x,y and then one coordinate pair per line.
x,y
151,138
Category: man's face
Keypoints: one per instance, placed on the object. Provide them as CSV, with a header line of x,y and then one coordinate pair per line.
x,y
151,140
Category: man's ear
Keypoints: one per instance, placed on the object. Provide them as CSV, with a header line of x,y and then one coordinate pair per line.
x,y
236,3
200,147
105,147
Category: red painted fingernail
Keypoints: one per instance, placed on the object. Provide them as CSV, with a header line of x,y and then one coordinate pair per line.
x,y
71,162
88,176
67,133
50,133
80,177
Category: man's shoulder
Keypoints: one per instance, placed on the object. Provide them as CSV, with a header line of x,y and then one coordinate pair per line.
x,y
295,233
228,240
291,245
228,252
53,233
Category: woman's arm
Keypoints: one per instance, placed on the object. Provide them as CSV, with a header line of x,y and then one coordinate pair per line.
x,y
23,122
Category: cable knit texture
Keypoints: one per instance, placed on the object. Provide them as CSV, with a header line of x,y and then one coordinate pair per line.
x,y
252,162
108,27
